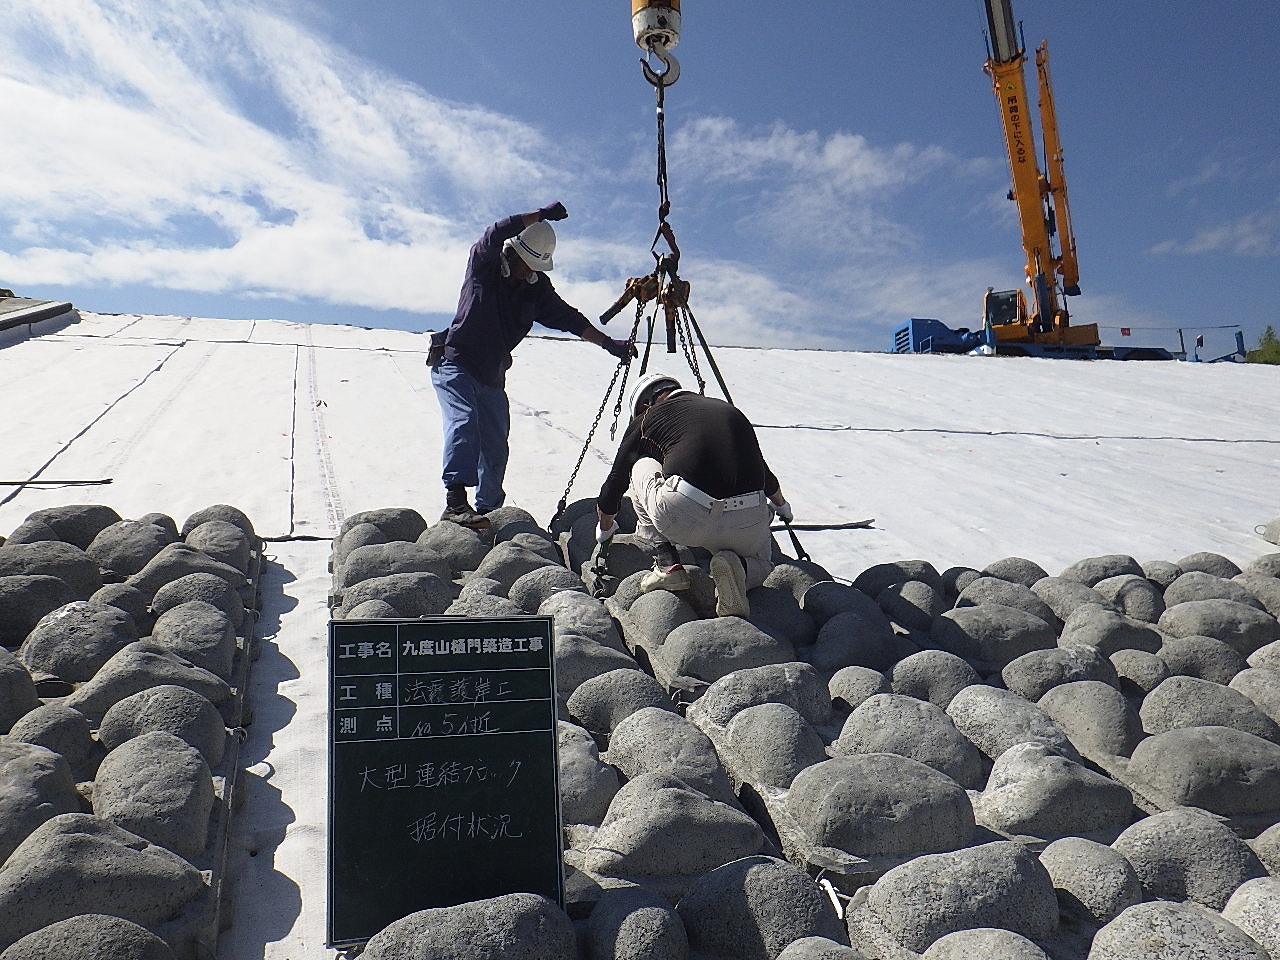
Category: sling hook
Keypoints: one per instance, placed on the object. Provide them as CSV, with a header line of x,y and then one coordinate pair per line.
x,y
671,71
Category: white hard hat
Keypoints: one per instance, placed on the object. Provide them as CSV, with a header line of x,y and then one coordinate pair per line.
x,y
649,386
535,244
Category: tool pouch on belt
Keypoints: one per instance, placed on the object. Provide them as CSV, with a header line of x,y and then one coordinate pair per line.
x,y
436,352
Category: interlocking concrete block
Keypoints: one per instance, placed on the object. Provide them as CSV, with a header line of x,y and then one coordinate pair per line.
x,y
1134,596
1242,626
1198,585
1208,562
1255,909
1091,625
1094,882
1065,596
933,675
1015,570
198,632
1201,657
775,743
987,590
1034,674
1172,931
631,923
1096,717
991,635
1092,570
90,935
1221,769
35,784
891,723
176,710
995,720
125,547
1191,702
658,741
517,926
587,784
795,684
601,702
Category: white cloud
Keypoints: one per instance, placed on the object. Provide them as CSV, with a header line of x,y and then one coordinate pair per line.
x,y
1256,234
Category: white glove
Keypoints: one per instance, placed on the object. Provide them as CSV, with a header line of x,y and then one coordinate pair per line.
x,y
783,510
604,536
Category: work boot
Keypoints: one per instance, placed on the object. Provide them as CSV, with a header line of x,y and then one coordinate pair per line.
x,y
668,572
458,509
730,578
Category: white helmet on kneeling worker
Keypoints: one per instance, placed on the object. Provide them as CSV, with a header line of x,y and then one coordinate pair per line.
x,y
648,388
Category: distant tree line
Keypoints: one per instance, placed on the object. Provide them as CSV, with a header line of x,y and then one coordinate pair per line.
x,y
1267,350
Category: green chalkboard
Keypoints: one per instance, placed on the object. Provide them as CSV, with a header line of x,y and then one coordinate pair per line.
x,y
442,767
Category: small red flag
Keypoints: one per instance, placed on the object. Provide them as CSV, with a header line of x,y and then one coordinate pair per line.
x,y
1124,331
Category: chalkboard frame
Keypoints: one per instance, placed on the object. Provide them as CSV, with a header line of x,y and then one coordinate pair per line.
x,y
476,697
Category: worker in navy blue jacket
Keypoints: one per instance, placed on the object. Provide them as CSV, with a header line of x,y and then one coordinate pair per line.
x,y
505,291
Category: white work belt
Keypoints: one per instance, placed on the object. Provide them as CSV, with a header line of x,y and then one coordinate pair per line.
x,y
741,502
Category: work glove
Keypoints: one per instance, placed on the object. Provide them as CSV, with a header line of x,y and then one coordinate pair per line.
x,y
622,349
604,536
784,511
554,211
434,356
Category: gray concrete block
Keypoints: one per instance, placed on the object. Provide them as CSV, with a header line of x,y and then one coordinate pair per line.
x,y
711,649
631,923
775,742
1266,846
998,884
176,710
933,675
1096,717
359,535
74,641
658,828
76,523
1015,570
1065,596
578,659
1268,656
1240,625
517,926
464,549
1161,572
1266,590
395,523
990,942
575,612
795,684
988,590
1139,671
66,732
179,559
875,578
131,601
1197,585
825,599
601,702
850,686
1184,854
382,559
413,594
198,632
35,784
858,638
1091,625
223,512
1092,570
158,787
913,604
1201,657
125,547
751,909
207,587
1134,596
797,576
1094,883
76,864
1254,908
819,948
24,599
531,589
1034,674
777,612
658,741
508,562
1221,769
891,723
1172,931
137,667
17,690
225,542
1191,702
955,579
587,784
1034,792
995,720
373,610
880,804
1262,686
1208,562
991,635
90,935
1267,565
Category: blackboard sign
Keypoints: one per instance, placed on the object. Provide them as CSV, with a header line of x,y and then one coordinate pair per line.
x,y
442,767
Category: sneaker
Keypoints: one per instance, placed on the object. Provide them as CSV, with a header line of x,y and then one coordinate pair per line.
x,y
731,585
674,577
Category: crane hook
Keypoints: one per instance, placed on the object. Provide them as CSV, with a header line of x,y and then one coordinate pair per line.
x,y
671,71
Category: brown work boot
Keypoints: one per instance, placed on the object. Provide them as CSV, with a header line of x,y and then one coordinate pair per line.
x,y
458,509
730,578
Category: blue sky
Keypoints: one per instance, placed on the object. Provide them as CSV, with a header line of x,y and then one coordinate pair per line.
x,y
835,167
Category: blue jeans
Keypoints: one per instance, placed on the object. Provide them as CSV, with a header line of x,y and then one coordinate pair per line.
x,y
477,422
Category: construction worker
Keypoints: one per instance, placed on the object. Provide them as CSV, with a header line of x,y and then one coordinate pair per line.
x,y
696,477
504,292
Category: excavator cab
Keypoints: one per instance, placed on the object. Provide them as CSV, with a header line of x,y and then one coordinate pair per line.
x,y
1001,307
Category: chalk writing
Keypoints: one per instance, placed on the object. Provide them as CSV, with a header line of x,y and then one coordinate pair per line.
x,y
462,826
